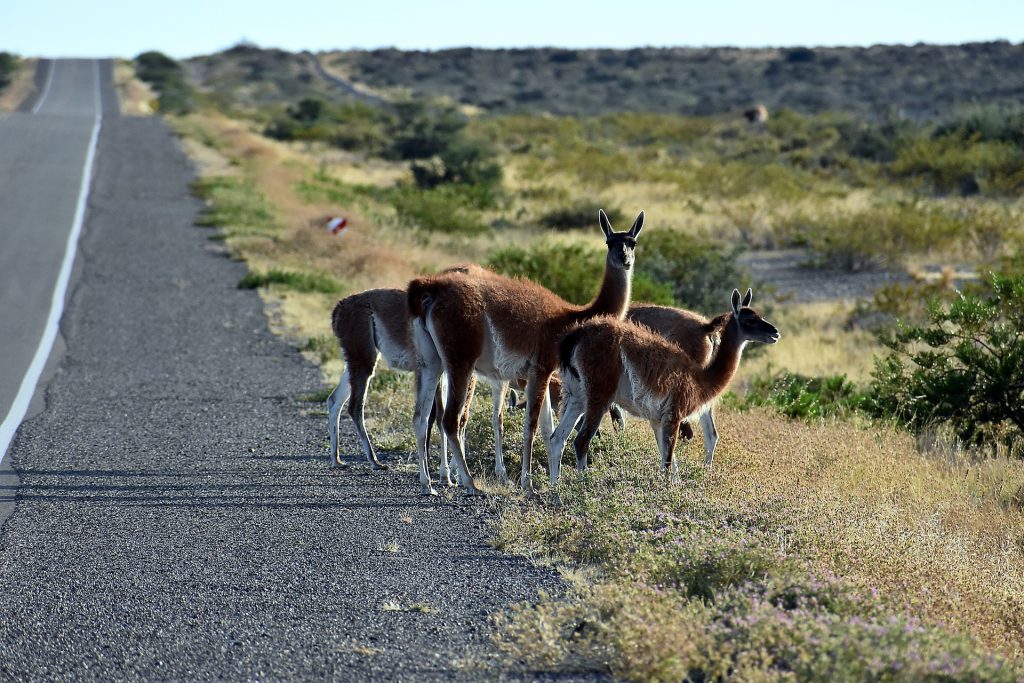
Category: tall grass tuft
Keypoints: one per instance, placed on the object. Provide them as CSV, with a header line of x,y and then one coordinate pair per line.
x,y
293,280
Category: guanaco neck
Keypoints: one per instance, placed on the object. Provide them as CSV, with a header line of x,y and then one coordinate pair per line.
x,y
715,378
613,297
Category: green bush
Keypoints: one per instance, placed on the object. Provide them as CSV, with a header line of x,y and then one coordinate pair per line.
x,y
461,162
698,273
420,131
235,205
951,164
572,271
448,209
986,124
581,214
898,302
799,396
168,79
8,63
879,142
360,127
875,236
965,367
326,349
354,127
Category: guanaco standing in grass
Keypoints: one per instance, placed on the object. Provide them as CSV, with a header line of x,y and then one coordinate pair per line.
x,y
375,323
607,360
697,336
505,329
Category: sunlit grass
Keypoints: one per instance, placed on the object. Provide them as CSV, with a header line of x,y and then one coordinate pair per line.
x,y
828,509
816,341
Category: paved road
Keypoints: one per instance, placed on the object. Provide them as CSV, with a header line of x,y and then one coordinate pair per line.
x,y
46,152
176,518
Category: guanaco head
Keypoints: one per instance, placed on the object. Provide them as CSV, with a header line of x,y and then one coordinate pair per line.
x,y
620,244
751,325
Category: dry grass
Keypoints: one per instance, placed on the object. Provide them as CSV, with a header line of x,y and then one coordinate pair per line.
x,y
938,541
907,535
135,96
815,342
22,85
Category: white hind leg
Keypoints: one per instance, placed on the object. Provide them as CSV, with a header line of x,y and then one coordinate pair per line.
x,y
444,474
547,417
573,408
498,389
710,433
335,402
360,385
427,378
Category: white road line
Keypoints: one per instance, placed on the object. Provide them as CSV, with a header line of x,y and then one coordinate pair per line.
x,y
46,88
28,383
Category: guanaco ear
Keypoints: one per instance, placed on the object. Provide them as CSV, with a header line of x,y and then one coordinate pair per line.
x,y
638,225
747,297
606,225
736,301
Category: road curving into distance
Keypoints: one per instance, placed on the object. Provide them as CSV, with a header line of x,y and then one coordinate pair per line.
x,y
176,517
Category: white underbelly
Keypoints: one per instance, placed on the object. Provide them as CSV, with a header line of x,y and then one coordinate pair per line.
x,y
636,399
398,356
497,361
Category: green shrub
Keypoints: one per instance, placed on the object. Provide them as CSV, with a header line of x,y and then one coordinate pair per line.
x,y
875,236
168,79
991,123
643,128
461,162
360,127
297,281
951,164
581,214
446,209
879,142
420,131
799,396
698,273
898,302
325,347
354,127
8,64
572,271
964,367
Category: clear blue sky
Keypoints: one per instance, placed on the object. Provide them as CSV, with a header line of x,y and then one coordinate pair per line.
x,y
184,28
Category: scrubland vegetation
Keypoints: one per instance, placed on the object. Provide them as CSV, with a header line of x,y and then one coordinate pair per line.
x,y
917,81
8,64
865,517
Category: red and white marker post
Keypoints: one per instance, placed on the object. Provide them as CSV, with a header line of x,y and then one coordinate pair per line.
x,y
336,225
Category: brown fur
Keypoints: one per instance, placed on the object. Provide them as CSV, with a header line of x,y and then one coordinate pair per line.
x,y
690,331
593,352
527,318
358,322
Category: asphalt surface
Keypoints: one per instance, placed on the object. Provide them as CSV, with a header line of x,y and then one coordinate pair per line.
x,y
177,517
38,195
44,150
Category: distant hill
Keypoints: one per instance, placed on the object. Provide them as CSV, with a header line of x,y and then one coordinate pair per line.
x,y
918,81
